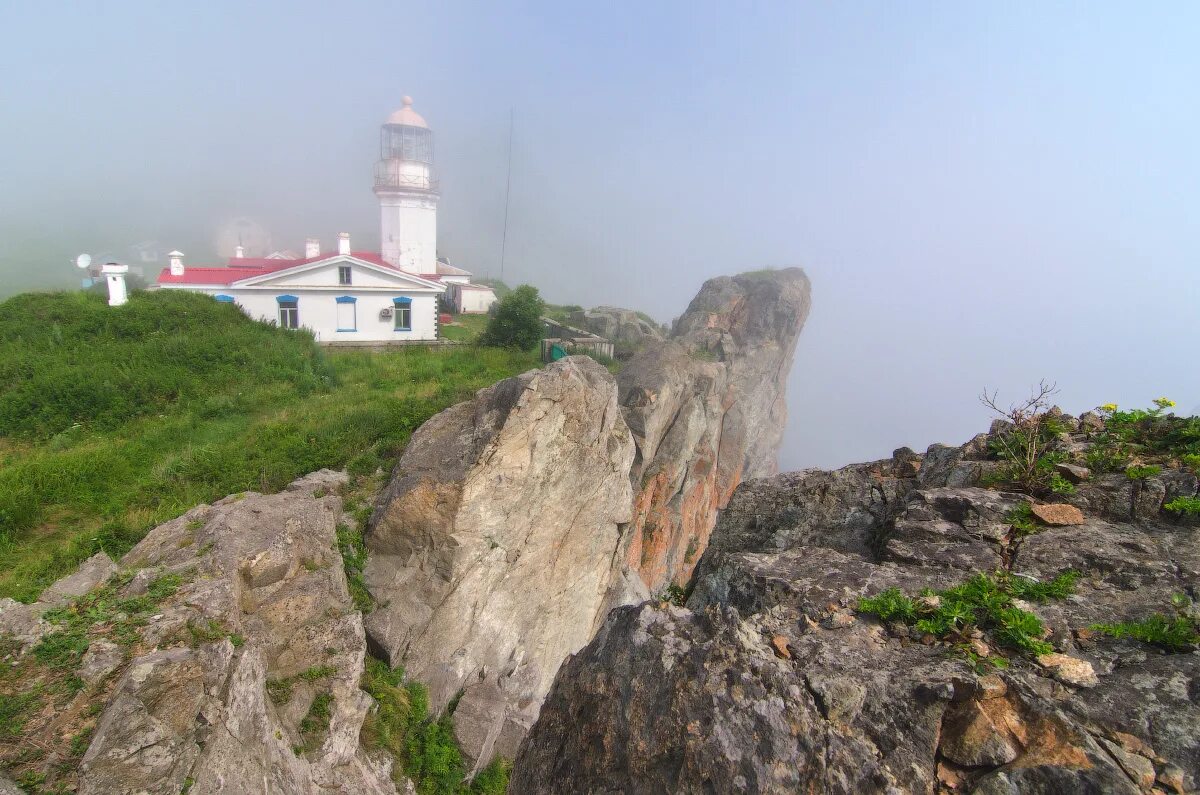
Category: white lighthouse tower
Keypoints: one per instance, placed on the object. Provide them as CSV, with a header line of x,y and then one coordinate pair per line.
x,y
408,192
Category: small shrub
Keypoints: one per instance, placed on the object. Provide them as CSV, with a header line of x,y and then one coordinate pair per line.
x,y
517,322
1024,447
674,594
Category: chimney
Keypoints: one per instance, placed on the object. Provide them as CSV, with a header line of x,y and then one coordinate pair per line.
x,y
176,263
312,248
239,253
343,242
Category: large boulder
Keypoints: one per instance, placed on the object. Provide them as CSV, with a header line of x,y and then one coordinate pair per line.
x,y
495,547
263,599
771,680
707,410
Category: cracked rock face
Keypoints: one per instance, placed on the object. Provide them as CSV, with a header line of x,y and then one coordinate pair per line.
x,y
263,569
707,410
495,547
770,681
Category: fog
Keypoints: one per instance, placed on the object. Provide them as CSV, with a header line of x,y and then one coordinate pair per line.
x,y
982,196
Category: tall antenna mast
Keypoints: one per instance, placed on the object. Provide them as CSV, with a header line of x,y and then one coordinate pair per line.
x,y
507,191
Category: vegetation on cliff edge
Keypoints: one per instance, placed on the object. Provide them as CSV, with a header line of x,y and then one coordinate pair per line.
x,y
115,420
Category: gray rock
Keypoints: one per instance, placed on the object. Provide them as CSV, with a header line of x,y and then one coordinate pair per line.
x,y
262,568
701,700
707,410
495,545
92,572
624,327
102,658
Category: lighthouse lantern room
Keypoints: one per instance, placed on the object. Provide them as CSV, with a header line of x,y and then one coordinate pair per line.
x,y
407,188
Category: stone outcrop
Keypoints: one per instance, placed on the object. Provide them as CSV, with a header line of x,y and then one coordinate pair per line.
x,y
628,330
263,597
707,410
24,623
771,680
495,547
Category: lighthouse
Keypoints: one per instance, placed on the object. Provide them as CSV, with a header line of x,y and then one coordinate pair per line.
x,y
408,192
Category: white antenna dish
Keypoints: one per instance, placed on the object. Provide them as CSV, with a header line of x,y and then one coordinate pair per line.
x,y
83,261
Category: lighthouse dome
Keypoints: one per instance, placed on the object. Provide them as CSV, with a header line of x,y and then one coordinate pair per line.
x,y
407,116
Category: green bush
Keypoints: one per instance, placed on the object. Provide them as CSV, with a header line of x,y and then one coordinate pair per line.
x,y
517,322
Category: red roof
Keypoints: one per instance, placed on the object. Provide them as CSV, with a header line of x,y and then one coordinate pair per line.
x,y
248,267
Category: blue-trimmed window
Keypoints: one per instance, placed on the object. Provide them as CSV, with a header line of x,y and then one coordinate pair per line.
x,y
402,316
225,299
347,319
289,311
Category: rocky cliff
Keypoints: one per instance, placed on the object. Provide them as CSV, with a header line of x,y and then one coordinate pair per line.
x,y
493,547
707,410
899,627
222,654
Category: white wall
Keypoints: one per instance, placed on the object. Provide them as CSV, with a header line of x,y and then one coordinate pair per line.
x,y
408,231
474,301
318,312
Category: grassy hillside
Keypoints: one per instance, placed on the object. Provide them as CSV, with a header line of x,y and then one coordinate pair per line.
x,y
112,421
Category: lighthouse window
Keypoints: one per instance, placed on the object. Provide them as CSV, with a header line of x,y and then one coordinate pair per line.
x,y
289,313
343,274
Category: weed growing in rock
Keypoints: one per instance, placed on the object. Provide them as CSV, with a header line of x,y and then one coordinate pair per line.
x,y
674,594
982,601
1023,446
1175,634
318,672
354,558
101,612
423,746
1021,520
316,721
1147,433
1185,506
1142,471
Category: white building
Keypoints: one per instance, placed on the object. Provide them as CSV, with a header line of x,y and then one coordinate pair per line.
x,y
355,296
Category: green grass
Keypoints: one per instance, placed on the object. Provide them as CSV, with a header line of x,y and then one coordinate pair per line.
x,y
422,744
240,406
467,328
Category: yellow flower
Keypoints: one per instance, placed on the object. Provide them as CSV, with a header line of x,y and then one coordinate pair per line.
x,y
1164,403
1109,407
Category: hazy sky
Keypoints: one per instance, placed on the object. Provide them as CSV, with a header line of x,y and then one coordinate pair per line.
x,y
982,194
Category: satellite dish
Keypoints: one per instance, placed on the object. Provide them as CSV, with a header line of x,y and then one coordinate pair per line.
x,y
83,261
